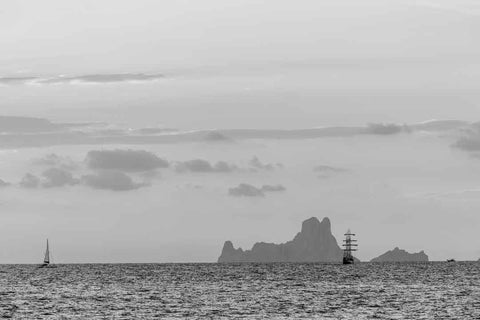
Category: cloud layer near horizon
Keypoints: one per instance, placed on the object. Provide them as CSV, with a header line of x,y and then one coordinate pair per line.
x,y
20,132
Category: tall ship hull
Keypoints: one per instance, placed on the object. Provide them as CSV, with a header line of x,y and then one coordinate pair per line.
x,y
348,260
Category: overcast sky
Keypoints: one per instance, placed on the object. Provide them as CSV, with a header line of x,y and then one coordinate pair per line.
x,y
154,77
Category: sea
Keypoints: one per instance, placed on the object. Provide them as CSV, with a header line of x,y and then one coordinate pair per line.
x,y
434,290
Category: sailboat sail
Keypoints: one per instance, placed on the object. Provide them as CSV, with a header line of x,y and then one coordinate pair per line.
x,y
46,260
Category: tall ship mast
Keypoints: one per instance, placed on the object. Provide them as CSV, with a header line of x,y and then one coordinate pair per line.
x,y
349,246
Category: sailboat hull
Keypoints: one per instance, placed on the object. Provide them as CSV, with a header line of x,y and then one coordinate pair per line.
x,y
348,260
46,265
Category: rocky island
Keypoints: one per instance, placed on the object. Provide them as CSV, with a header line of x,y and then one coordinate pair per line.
x,y
399,255
314,243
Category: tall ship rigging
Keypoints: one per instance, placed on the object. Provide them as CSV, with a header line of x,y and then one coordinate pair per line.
x,y
349,246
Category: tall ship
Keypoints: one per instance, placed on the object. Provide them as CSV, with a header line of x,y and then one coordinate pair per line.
x,y
349,246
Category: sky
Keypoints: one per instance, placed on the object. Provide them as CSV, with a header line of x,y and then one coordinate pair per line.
x,y
321,108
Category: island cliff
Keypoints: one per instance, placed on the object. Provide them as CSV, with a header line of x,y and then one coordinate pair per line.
x,y
399,255
314,243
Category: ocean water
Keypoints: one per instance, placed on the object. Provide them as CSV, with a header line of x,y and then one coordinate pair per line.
x,y
242,291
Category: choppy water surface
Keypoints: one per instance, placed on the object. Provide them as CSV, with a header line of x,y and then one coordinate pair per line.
x,y
276,291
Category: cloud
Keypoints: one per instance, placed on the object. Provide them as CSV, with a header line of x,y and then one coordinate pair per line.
x,y
439,125
124,160
385,129
55,177
30,181
255,163
104,78
200,165
328,169
111,180
54,160
4,183
470,141
246,190
87,79
10,124
16,80
222,166
146,131
465,194
325,171
190,186
273,188
215,136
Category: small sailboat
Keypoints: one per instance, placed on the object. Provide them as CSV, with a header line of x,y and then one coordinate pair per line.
x,y
46,260
349,247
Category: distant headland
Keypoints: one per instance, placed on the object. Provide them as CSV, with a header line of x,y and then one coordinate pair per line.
x,y
399,255
314,243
